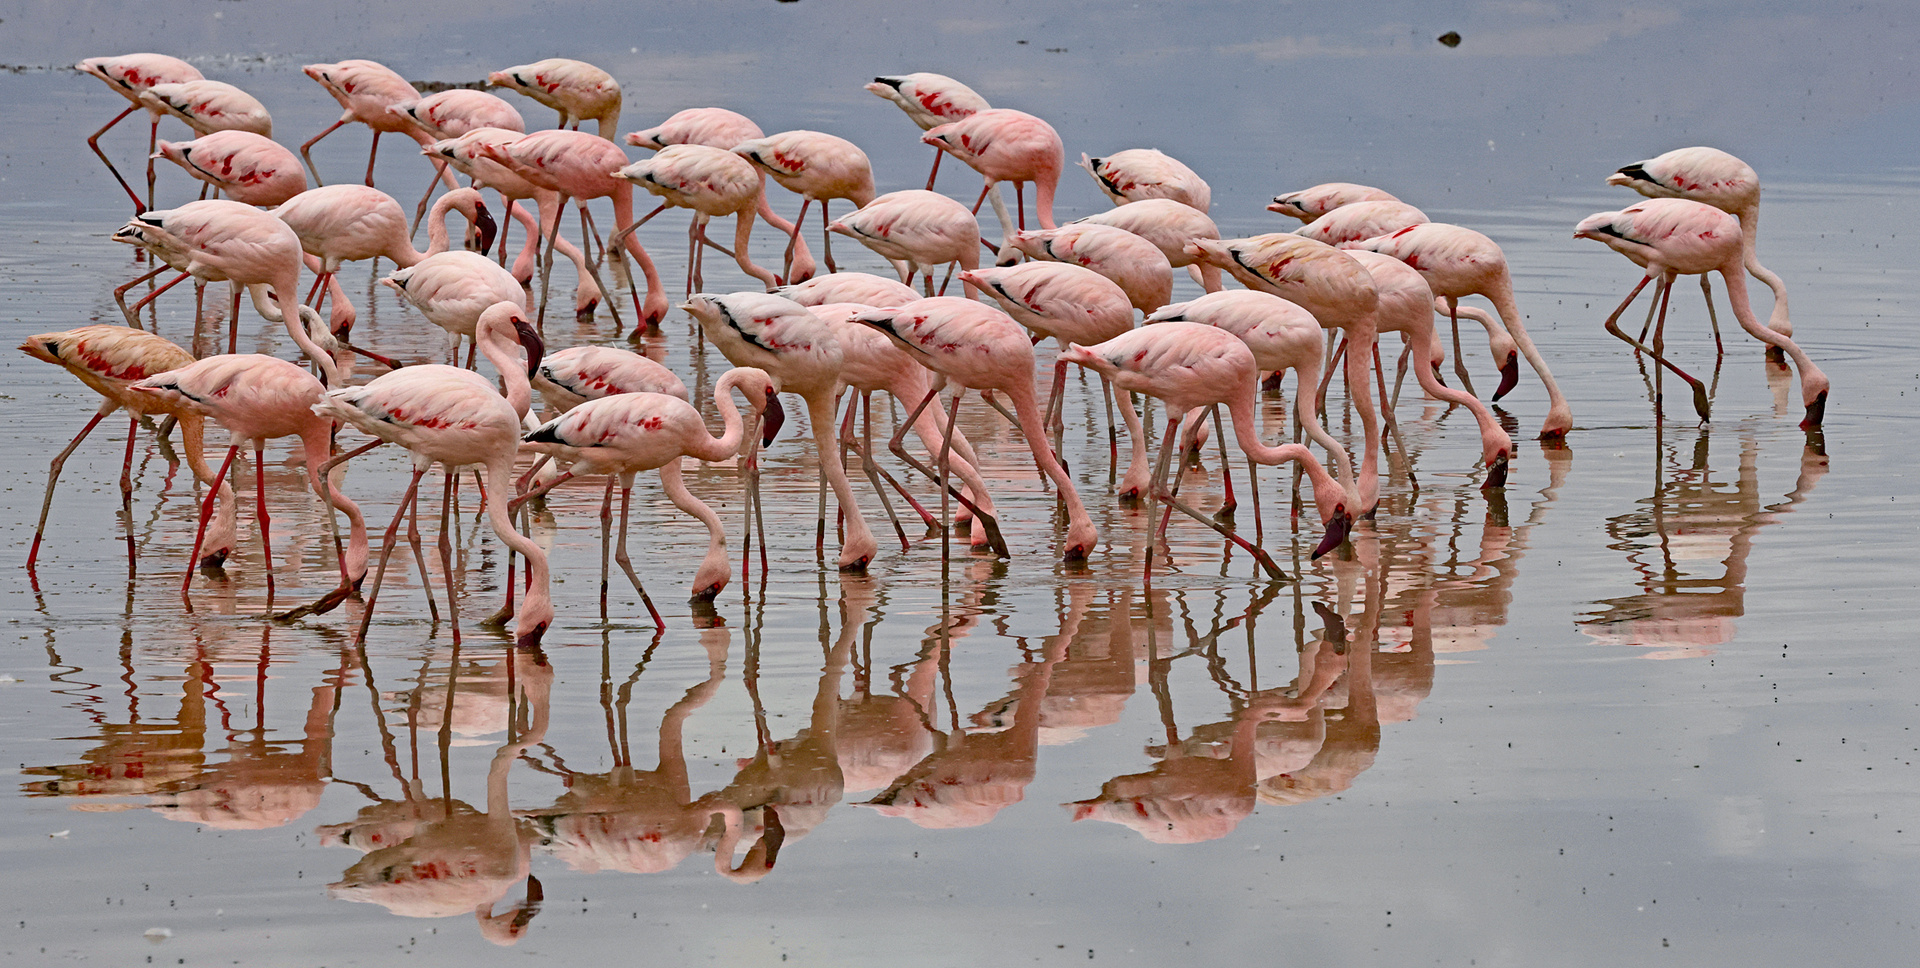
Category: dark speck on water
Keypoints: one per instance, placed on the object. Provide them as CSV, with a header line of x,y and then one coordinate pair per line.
x,y
1450,39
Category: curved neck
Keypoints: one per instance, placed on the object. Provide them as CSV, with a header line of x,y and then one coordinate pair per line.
x,y
1749,217
513,369
317,443
536,610
713,449
298,319
438,238
1327,492
1422,341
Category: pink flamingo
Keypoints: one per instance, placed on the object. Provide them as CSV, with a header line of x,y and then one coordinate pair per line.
x,y
1719,179
1674,236
1361,220
110,359
208,106
1189,366
1458,261
849,287
816,166
453,290
464,154
576,375
450,114
1311,203
1130,260
624,434
1006,145
1406,307
258,398
456,418
799,349
1340,294
1142,173
930,100
711,181
366,91
1169,225
249,168
916,230
226,241
576,89
348,223
721,128
974,346
130,75
581,167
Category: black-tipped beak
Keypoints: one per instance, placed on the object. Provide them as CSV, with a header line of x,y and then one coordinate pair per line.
x,y
1337,531
484,226
1816,412
1496,473
531,341
1509,376
771,419
892,82
530,639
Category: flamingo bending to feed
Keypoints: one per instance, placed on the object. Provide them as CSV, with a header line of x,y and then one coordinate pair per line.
x,y
1007,145
131,75
1169,225
1673,236
849,287
1137,174
712,182
453,290
464,154
1189,366
208,106
930,100
816,166
1130,260
258,398
803,356
110,359
627,433
1457,262
450,114
367,91
917,230
975,346
576,89
1361,220
1311,203
455,418
1719,179
248,167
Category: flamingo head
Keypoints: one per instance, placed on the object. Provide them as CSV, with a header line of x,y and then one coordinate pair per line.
x,y
1338,527
1496,471
1509,375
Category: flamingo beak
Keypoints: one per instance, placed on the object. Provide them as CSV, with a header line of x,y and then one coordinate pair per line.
x,y
1496,472
1816,412
484,226
1509,376
1337,530
531,341
771,419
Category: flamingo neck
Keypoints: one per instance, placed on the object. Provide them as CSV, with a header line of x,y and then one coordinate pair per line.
x,y
289,313
1492,438
536,610
513,370
1327,492
438,238
316,442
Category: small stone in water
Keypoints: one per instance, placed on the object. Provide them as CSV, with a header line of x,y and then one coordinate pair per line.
x,y
1450,39
157,935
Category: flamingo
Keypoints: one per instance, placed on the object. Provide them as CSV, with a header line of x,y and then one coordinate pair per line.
x,y
721,128
1169,225
366,91
975,346
450,114
110,359
799,349
1674,236
249,168
1361,220
581,167
1142,173
226,241
849,287
930,100
1719,179
1007,145
130,75
1458,261
627,433
258,398
816,166
208,106
1130,260
455,418
576,89
453,290
1311,203
464,154
576,375
712,182
917,229
347,223
1340,294
1189,366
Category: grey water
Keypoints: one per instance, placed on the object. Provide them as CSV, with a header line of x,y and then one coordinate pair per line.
x,y
1653,704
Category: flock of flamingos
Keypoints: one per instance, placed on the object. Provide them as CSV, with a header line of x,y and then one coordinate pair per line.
x,y
1364,264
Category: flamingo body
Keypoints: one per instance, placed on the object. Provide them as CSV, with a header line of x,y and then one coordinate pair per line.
x,y
1142,173
248,167
1131,261
576,89
208,106
1311,203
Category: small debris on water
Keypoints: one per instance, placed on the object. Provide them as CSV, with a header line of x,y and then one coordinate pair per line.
x,y
1450,39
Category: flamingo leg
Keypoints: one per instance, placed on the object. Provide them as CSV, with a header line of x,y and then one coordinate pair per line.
x,y
420,558
153,144
1228,503
445,547
53,475
206,514
847,443
371,154
126,488
546,264
786,261
1706,292
420,210
1393,426
1613,326
944,461
626,563
1170,494
260,512
1154,489
93,141
306,148
386,552
120,294
1459,360
606,543
935,173
589,230
875,474
826,237
233,321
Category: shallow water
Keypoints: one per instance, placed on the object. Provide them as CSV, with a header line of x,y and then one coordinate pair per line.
x,y
1471,759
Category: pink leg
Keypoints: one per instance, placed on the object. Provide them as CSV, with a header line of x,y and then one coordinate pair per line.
x,y
206,514
306,149
93,141
126,488
53,475
260,511
386,552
